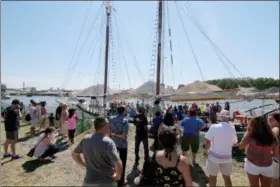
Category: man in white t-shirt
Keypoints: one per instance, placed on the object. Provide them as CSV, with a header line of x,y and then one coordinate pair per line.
x,y
220,139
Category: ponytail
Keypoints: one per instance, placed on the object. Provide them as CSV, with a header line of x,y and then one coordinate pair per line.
x,y
168,153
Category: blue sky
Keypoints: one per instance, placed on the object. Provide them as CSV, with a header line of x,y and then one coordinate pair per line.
x,y
39,38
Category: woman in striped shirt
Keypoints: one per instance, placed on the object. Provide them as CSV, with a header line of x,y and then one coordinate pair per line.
x,y
261,146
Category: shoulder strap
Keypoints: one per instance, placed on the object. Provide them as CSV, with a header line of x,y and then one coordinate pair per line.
x,y
177,162
154,156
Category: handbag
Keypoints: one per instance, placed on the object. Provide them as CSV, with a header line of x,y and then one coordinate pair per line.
x,y
27,117
32,151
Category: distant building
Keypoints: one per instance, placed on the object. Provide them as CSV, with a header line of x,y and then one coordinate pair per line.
x,y
3,88
33,89
30,89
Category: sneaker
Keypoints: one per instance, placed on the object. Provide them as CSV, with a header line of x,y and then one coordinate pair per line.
x,y
15,157
7,155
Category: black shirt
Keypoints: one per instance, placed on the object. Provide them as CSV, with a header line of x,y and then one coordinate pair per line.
x,y
12,118
141,123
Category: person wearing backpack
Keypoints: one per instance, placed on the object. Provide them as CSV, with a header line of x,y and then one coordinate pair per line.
x,y
12,118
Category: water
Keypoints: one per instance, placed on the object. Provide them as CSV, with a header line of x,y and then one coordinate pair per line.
x,y
235,105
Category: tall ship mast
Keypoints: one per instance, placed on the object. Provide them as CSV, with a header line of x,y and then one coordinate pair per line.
x,y
107,39
159,46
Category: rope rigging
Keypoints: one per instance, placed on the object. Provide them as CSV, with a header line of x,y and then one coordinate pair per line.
x,y
130,49
213,44
94,45
83,47
112,54
189,42
170,41
97,71
102,27
162,90
195,21
121,52
154,53
71,65
118,51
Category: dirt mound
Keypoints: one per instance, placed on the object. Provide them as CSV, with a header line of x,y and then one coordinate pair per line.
x,y
198,86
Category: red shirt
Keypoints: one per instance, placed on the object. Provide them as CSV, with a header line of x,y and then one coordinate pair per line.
x,y
259,155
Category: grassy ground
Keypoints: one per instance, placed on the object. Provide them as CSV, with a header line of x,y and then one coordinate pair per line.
x,y
25,128
64,172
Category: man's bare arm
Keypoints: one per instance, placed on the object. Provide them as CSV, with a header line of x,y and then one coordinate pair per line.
x,y
78,159
207,146
118,170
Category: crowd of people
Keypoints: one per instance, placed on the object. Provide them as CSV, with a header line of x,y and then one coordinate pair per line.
x,y
107,148
61,126
174,130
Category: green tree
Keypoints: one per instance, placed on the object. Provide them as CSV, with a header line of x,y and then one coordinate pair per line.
x,y
260,83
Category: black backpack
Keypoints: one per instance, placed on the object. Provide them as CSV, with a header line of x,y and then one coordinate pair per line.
x,y
27,117
149,172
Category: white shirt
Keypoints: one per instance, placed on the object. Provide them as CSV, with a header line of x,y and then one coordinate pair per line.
x,y
41,147
222,137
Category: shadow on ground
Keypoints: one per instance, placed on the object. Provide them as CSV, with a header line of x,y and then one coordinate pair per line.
x,y
28,136
198,175
32,165
6,161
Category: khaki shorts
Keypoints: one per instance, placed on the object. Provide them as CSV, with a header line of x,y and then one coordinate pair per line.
x,y
213,168
190,141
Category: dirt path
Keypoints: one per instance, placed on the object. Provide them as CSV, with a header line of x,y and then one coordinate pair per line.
x,y
64,172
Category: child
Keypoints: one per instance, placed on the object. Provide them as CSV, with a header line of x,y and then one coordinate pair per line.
x,y
72,120
51,120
